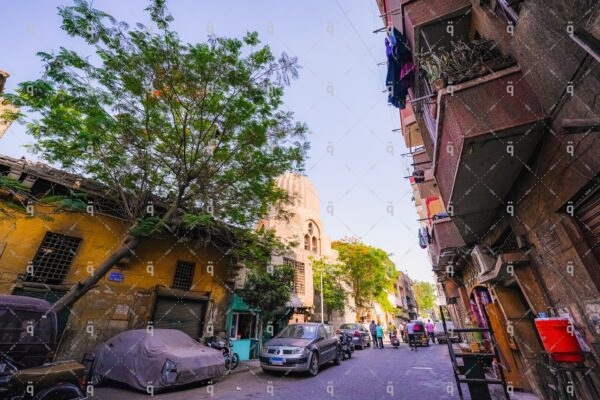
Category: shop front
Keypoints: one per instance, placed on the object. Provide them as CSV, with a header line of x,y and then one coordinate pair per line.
x,y
244,329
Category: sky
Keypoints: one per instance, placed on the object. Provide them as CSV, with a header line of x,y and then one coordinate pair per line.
x,y
356,162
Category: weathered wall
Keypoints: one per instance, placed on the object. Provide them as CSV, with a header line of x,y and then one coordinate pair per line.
x,y
110,307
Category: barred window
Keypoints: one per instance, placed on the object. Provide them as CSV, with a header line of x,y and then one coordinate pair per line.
x,y
53,258
298,274
184,274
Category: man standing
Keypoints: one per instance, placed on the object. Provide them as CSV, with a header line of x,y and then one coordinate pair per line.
x,y
372,328
410,331
430,327
379,333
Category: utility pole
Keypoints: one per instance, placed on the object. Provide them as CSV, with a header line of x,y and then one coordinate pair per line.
x,y
322,316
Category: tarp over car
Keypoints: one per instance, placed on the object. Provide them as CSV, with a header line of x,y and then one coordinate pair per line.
x,y
138,358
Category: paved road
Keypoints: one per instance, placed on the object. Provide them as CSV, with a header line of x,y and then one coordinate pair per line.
x,y
370,374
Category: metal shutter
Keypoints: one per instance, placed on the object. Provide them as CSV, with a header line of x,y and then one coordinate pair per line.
x,y
185,315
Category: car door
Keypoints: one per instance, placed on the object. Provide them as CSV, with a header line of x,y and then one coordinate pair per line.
x,y
326,345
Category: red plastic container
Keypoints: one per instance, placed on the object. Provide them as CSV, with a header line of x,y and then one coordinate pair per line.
x,y
559,340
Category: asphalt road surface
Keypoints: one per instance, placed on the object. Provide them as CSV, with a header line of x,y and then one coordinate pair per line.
x,y
369,374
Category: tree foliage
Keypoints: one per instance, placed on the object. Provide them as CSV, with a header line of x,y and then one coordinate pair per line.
x,y
194,130
367,270
268,289
334,293
425,295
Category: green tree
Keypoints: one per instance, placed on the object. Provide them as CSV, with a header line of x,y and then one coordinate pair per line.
x,y
425,295
334,294
195,130
368,271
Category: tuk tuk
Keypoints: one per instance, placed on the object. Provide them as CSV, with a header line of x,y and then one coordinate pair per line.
x,y
28,329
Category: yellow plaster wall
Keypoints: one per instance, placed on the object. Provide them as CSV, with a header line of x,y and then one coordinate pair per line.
x,y
20,238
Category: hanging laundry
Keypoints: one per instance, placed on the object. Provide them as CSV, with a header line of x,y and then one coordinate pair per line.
x,y
422,241
400,74
428,236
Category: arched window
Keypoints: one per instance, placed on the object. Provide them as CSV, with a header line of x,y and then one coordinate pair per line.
x,y
310,228
306,242
315,245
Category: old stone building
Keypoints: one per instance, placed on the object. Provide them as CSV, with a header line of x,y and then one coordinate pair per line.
x,y
305,228
499,108
46,248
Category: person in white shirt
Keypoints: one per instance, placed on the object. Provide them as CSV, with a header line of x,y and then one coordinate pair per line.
x,y
410,330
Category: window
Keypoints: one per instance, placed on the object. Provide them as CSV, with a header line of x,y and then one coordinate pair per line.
x,y
53,258
306,242
315,245
243,326
310,228
322,332
298,274
184,273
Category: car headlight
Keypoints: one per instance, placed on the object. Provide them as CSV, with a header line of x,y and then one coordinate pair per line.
x,y
299,350
169,372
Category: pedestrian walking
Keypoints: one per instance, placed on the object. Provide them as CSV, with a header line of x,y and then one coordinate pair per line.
x,y
410,331
430,328
379,334
402,333
372,328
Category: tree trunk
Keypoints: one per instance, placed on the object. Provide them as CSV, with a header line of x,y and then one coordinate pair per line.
x,y
82,287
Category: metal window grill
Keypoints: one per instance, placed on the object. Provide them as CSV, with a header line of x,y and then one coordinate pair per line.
x,y
53,258
184,273
298,274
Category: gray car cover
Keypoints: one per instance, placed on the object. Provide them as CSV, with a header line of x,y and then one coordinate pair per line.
x,y
138,357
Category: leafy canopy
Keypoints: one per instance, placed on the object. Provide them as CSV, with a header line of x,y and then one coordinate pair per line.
x,y
425,295
368,271
196,130
334,293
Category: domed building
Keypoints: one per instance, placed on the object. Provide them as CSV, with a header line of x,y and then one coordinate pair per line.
x,y
305,228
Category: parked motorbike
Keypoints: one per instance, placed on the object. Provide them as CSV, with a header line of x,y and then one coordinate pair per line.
x,y
394,340
225,345
59,380
347,345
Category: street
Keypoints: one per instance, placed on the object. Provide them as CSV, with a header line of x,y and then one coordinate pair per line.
x,y
369,374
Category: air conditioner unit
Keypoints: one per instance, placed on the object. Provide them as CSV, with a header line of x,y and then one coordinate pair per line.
x,y
481,258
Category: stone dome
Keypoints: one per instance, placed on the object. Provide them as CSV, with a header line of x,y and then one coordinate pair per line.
x,y
301,189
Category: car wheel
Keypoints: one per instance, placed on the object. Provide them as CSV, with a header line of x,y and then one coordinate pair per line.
x,y
313,368
235,360
338,358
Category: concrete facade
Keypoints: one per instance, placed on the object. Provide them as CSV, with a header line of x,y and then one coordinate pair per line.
x,y
515,153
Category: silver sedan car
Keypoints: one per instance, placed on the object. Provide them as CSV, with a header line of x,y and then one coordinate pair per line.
x,y
301,347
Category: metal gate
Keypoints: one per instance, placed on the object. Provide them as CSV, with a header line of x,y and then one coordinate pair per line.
x,y
183,314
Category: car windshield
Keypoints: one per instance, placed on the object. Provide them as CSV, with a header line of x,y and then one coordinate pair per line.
x,y
299,332
348,326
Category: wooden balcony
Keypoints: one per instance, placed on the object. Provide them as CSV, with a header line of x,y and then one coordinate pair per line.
x,y
487,130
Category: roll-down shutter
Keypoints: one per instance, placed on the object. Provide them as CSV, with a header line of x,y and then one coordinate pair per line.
x,y
183,314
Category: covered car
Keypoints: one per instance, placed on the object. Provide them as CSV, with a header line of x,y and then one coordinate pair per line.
x,y
160,358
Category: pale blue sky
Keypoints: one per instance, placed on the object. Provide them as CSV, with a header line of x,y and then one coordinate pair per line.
x,y
355,161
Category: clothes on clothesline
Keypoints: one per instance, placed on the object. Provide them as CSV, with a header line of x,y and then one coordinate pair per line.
x,y
401,69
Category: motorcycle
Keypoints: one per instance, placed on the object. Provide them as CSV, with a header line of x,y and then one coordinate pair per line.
x,y
347,345
225,345
59,380
394,340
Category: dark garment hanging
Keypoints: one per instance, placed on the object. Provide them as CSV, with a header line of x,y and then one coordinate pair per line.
x,y
400,72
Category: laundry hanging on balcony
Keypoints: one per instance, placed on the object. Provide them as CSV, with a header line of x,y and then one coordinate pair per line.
x,y
401,69
424,237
